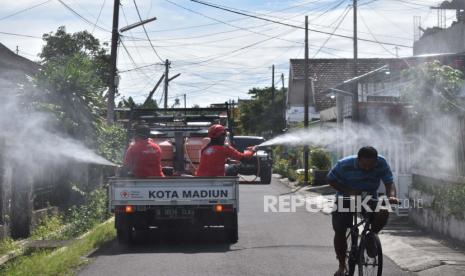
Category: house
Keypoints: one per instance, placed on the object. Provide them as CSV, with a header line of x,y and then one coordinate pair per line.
x,y
442,39
324,74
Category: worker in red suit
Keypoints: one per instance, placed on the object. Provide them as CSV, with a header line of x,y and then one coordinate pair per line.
x,y
214,156
143,157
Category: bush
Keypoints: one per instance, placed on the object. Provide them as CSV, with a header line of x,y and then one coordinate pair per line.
x,y
6,245
301,176
49,228
84,217
320,159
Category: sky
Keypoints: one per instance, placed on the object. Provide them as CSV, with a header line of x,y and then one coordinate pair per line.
x,y
220,55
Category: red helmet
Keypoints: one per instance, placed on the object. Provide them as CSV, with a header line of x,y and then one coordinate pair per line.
x,y
216,131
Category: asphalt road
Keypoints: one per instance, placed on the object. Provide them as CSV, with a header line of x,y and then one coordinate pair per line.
x,y
269,244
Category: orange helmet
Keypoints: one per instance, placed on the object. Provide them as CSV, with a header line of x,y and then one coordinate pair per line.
x,y
216,131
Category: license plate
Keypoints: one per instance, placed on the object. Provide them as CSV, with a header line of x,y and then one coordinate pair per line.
x,y
174,212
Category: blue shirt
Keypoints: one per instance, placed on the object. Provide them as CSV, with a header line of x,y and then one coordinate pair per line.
x,y
347,173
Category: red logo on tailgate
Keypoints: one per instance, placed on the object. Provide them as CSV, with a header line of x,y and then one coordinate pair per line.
x,y
124,194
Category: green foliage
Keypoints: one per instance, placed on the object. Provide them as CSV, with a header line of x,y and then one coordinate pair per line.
x,y
301,176
111,141
320,159
49,228
6,245
84,217
260,116
448,199
60,261
434,88
75,72
283,168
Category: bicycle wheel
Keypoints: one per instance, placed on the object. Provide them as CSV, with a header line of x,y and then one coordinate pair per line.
x,y
351,258
370,266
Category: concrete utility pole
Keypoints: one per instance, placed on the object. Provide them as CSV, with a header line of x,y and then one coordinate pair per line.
x,y
272,84
167,70
282,81
355,84
113,70
306,98
185,101
17,50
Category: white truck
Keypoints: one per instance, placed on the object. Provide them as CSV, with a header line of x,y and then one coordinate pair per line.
x,y
187,203
180,201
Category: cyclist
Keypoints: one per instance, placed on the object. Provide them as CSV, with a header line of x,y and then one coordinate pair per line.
x,y
350,177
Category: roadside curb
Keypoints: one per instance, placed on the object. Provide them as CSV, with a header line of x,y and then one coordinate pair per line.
x,y
24,245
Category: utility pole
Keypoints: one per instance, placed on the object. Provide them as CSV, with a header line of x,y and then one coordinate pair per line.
x,y
17,49
113,70
272,85
282,81
397,51
355,84
185,101
306,97
167,69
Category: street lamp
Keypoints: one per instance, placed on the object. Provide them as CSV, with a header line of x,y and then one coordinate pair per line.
x,y
335,91
132,26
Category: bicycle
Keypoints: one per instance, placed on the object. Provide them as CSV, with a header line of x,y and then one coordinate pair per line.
x,y
357,254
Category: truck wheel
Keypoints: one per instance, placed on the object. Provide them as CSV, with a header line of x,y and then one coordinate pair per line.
x,y
124,236
265,176
233,229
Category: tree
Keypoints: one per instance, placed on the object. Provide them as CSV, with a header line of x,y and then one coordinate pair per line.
x,y
130,103
434,88
75,72
260,116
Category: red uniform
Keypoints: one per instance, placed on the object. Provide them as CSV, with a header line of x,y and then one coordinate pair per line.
x,y
143,158
213,159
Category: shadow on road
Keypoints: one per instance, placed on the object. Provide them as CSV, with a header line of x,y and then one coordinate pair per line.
x,y
154,242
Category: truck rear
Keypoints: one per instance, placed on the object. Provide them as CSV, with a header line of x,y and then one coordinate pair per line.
x,y
180,201
189,204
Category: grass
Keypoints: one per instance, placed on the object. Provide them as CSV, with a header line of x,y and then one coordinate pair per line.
x,y
62,261
48,228
7,245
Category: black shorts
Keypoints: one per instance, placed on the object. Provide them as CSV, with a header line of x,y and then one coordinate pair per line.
x,y
342,221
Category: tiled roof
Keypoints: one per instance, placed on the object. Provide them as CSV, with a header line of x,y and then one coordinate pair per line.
x,y
12,61
328,73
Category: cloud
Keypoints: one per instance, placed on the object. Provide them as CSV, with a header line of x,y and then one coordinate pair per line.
x,y
212,67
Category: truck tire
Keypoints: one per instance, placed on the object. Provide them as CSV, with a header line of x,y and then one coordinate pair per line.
x,y
265,176
233,230
124,236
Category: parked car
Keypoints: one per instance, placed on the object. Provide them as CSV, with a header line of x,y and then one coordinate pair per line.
x,y
260,164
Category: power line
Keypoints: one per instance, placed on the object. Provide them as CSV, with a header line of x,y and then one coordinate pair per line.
x,y
293,26
98,17
374,37
221,21
21,35
24,10
146,34
82,17
345,13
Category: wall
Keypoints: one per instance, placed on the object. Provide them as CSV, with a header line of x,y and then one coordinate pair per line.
x,y
431,219
451,40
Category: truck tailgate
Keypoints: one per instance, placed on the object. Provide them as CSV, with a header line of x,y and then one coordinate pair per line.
x,y
173,191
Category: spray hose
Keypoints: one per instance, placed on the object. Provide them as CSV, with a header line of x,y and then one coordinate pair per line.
x,y
241,177
188,157
258,171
